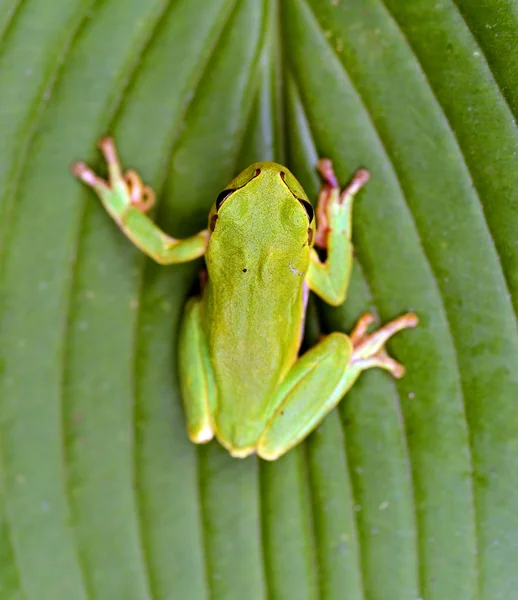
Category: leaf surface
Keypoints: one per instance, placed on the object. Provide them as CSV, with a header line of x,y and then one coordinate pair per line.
x,y
408,490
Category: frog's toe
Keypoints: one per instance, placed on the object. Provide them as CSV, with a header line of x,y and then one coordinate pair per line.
x,y
383,361
202,435
368,349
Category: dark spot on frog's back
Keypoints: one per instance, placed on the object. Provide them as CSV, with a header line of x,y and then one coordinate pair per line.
x,y
245,270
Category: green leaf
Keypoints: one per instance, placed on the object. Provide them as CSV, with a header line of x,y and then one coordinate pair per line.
x,y
408,490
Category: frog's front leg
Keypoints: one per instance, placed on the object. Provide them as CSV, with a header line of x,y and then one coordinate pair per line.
x,y
128,200
330,279
319,379
196,375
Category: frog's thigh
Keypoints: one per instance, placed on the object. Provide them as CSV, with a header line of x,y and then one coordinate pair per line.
x,y
312,388
196,377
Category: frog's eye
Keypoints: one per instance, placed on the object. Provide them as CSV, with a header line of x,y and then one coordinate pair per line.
x,y
226,193
222,197
308,208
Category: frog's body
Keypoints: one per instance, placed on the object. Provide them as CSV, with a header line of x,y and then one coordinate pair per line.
x,y
253,304
240,373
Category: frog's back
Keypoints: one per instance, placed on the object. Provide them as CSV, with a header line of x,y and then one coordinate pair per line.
x,y
257,258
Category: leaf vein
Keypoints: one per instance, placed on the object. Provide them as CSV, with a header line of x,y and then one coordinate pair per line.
x,y
428,264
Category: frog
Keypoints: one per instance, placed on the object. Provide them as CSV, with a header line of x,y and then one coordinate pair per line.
x,y
242,376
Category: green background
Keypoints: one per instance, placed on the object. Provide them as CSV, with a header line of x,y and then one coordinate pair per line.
x,y
410,489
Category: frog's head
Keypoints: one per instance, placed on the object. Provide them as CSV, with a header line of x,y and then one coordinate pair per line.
x,y
265,196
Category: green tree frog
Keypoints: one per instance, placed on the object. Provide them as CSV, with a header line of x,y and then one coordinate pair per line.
x,y
241,376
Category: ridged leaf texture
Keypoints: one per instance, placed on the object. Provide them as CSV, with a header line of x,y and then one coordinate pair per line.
x,y
408,490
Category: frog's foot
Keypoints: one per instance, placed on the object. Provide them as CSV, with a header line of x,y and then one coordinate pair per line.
x,y
330,192
368,349
127,200
142,196
128,186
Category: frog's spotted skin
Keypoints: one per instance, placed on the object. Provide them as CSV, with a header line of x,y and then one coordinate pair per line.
x,y
241,377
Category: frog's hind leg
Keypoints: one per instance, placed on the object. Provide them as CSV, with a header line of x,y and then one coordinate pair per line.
x,y
196,376
319,379
311,388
